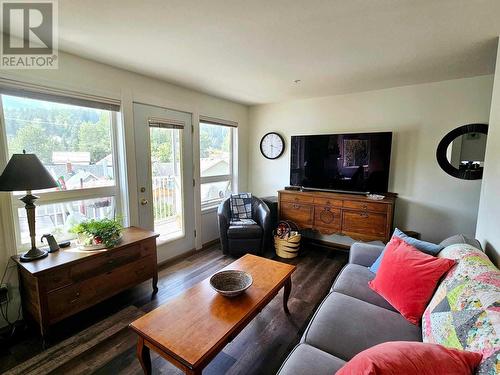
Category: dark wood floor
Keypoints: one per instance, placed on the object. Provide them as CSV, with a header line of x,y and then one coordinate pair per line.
x,y
259,349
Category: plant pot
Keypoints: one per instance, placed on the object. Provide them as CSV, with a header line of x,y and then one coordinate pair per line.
x,y
88,242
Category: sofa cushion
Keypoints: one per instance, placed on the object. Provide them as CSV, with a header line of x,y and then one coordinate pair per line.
x,y
424,246
407,278
306,359
364,254
353,281
411,358
459,239
344,326
244,231
465,310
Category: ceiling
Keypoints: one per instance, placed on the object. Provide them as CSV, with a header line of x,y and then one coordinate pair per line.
x,y
251,51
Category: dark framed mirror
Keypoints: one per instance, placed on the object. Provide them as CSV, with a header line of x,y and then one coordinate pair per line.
x,y
461,152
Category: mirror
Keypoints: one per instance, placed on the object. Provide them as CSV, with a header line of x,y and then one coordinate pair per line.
x,y
461,152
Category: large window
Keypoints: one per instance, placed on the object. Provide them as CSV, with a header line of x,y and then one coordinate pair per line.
x,y
76,145
216,162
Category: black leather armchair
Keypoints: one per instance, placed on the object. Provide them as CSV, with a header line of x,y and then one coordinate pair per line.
x,y
247,238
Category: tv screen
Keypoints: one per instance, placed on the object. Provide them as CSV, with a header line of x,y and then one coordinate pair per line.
x,y
343,162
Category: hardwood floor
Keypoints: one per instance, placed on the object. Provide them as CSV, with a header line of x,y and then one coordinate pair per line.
x,y
259,349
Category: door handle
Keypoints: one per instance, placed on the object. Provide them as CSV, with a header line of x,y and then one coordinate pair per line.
x,y
144,201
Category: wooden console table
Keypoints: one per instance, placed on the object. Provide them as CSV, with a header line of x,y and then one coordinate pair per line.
x,y
71,280
352,215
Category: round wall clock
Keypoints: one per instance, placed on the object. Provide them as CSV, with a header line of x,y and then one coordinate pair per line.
x,y
272,145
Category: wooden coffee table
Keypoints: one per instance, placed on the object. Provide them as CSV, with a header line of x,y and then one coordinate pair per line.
x,y
191,329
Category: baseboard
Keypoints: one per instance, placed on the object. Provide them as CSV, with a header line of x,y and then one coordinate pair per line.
x,y
187,254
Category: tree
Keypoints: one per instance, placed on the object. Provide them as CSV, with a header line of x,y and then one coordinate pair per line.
x,y
161,145
33,138
95,138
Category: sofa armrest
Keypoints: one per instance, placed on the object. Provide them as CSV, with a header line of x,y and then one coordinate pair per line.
x,y
364,254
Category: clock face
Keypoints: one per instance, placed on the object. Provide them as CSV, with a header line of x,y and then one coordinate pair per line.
x,y
272,145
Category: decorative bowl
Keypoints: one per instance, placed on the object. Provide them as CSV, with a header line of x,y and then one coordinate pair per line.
x,y
231,283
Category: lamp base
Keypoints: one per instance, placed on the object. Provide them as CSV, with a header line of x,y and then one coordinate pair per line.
x,y
33,254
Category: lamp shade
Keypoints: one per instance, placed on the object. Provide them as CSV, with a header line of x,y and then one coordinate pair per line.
x,y
25,172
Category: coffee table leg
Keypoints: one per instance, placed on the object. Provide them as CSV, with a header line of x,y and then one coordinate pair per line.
x,y
286,294
143,356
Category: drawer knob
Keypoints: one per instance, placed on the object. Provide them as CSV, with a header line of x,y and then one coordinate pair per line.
x,y
296,206
365,207
363,214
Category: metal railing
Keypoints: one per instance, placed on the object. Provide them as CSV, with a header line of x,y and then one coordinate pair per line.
x,y
165,197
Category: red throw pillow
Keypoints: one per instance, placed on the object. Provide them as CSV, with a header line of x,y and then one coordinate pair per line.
x,y
407,278
411,358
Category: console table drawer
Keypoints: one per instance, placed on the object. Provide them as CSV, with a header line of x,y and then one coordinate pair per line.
x,y
68,300
298,213
367,206
367,223
291,197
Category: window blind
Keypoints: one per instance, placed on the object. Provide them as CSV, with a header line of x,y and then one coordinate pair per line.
x,y
216,121
27,90
157,122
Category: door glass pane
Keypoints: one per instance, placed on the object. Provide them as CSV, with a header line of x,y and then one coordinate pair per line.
x,y
166,168
74,143
59,218
215,146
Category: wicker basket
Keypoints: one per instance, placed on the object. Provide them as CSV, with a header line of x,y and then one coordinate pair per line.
x,y
287,247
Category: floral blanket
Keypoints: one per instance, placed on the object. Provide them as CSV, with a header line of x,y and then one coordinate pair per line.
x,y
464,313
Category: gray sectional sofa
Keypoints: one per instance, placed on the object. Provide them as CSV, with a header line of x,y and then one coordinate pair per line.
x,y
352,318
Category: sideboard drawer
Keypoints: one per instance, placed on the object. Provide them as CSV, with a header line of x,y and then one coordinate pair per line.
x,y
291,197
367,206
328,202
68,300
300,214
367,223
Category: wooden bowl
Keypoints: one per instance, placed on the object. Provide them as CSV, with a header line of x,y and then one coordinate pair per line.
x,y
231,283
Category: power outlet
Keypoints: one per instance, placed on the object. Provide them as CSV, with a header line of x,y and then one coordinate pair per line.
x,y
4,293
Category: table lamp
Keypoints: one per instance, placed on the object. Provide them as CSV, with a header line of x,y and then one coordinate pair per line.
x,y
26,172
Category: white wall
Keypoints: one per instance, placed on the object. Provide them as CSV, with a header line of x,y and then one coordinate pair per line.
x,y
430,201
489,208
87,76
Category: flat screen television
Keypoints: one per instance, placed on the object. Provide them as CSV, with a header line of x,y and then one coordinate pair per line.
x,y
341,162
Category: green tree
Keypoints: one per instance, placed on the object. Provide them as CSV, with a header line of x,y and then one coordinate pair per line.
x,y
33,138
95,138
161,145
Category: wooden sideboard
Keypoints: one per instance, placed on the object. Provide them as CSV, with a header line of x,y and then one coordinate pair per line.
x,y
351,215
71,280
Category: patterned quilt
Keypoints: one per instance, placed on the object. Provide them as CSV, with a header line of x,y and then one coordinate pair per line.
x,y
464,313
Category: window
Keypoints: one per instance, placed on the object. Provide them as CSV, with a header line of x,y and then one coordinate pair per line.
x,y
77,146
216,162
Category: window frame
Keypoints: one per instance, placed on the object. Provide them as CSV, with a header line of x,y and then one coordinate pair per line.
x,y
233,128
53,197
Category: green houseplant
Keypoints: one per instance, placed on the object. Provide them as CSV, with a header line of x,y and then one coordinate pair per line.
x,y
98,233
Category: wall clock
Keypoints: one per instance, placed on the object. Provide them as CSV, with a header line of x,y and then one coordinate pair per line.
x,y
272,145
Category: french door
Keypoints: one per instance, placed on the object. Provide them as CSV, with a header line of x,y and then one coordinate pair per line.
x,y
164,162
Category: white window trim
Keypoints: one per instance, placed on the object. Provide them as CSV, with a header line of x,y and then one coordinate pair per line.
x,y
233,126
69,195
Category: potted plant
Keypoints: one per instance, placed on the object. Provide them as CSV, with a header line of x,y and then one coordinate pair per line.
x,y
98,234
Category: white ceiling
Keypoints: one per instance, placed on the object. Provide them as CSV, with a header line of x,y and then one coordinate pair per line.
x,y
251,51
